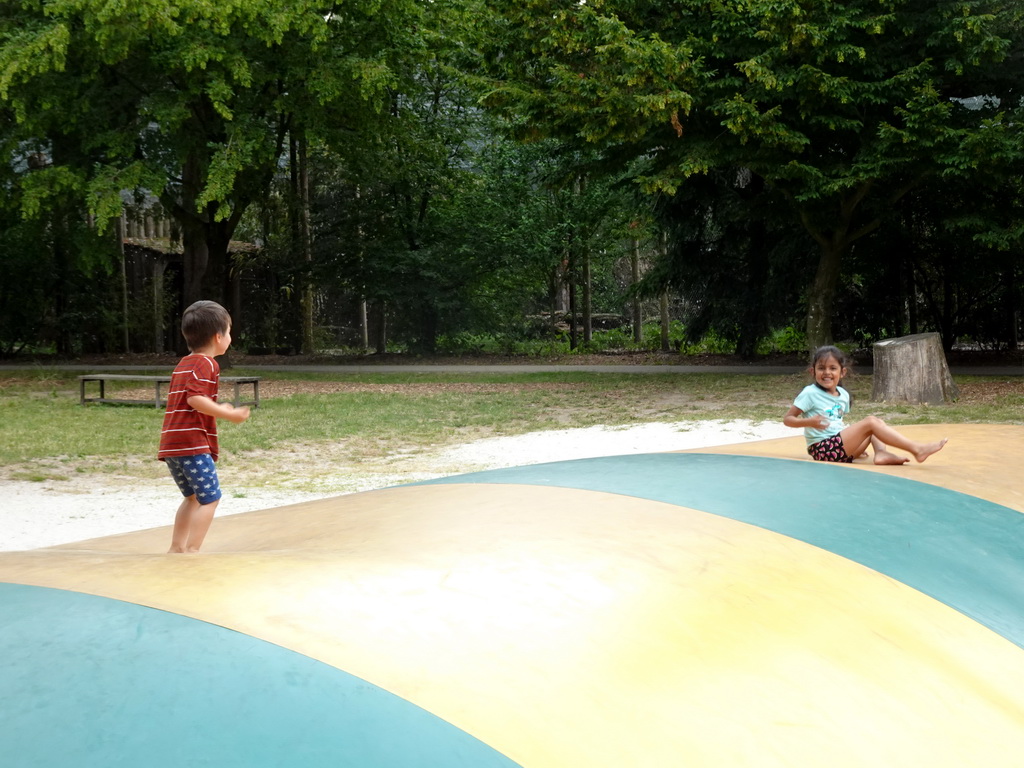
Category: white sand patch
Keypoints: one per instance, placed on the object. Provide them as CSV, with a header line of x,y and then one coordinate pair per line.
x,y
43,515
48,513
565,444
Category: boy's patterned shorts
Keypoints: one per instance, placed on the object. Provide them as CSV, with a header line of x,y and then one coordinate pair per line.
x,y
830,449
196,475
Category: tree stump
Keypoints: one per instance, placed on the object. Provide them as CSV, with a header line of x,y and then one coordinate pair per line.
x,y
912,369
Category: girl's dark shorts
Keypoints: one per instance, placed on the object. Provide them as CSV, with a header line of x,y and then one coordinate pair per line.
x,y
830,449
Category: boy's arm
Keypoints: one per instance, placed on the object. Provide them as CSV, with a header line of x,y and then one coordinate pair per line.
x,y
204,404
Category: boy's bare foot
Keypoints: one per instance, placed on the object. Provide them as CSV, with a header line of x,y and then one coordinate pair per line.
x,y
884,457
929,448
175,551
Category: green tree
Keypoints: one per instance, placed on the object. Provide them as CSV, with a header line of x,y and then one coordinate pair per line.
x,y
735,258
850,106
949,259
840,107
191,101
379,196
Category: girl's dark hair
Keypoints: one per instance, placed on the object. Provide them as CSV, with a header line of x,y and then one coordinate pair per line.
x,y
202,321
823,353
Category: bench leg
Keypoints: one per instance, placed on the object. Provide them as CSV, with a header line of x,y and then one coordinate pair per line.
x,y
256,394
81,394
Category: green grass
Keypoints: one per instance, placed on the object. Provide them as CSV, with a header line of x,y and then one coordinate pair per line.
x,y
46,434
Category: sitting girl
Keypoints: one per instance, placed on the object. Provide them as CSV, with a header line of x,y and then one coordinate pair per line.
x,y
819,411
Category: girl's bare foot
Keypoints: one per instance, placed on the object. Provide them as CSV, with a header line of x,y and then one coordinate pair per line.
x,y
929,448
884,457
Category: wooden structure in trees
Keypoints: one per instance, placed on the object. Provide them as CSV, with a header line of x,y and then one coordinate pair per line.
x,y
912,369
153,263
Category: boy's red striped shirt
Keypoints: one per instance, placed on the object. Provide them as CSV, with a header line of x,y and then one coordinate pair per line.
x,y
186,431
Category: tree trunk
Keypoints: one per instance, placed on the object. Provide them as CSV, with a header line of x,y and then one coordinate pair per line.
x,y
306,244
821,297
299,220
195,259
948,306
64,256
196,249
234,297
554,292
753,323
364,328
588,320
429,323
912,324
119,234
897,268
665,340
1010,303
158,304
634,265
834,245
570,276
205,238
912,369
380,329
61,289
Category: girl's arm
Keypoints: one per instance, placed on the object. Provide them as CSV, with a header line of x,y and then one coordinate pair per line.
x,y
794,418
210,407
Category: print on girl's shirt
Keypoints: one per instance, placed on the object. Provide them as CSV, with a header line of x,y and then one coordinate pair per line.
x,y
836,412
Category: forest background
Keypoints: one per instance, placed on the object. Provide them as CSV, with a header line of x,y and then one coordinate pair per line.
x,y
510,176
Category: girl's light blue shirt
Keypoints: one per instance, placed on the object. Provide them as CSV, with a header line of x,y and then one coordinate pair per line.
x,y
814,401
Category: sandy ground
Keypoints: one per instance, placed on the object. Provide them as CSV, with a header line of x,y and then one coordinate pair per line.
x,y
42,514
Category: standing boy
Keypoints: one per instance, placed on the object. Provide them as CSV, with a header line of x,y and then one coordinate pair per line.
x,y
188,441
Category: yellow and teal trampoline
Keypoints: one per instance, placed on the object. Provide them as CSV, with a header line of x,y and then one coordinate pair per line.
x,y
737,607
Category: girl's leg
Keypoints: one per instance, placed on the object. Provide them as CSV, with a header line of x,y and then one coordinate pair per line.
x,y
884,456
856,438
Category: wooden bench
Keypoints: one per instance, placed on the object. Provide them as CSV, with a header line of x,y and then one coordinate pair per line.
x,y
158,400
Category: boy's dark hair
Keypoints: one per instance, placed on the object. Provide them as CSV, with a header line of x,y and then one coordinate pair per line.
x,y
202,321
